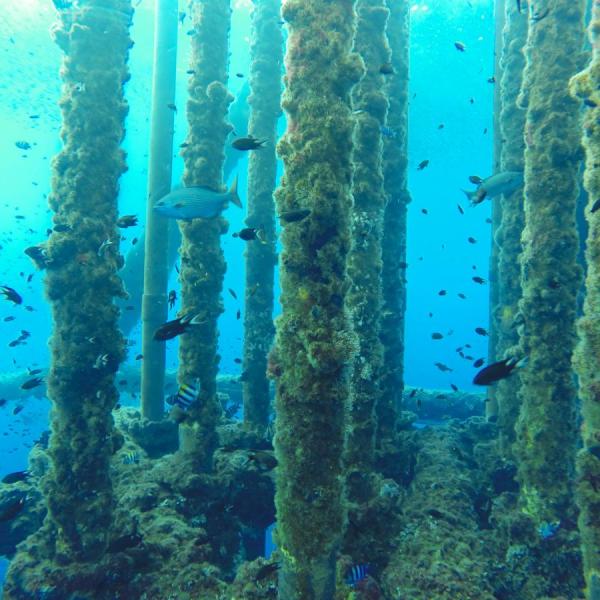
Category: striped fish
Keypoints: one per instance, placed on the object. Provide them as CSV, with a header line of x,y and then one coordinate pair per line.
x,y
185,396
356,574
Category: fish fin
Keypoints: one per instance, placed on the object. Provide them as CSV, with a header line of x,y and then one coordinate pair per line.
x,y
197,320
233,193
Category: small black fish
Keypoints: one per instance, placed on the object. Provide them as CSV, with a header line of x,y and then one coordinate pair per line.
x,y
437,336
595,206
248,143
478,363
491,80
479,280
460,209
32,383
22,145
442,367
172,107
127,221
9,318
15,477
232,292
386,69
412,393
454,388
266,570
422,165
9,510
293,216
590,103
424,211
172,329
441,126
497,371
240,75
61,228
475,179
38,256
471,240
442,293
249,233
480,331
11,294
460,46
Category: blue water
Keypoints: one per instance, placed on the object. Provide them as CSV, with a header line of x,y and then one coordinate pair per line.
x,y
443,81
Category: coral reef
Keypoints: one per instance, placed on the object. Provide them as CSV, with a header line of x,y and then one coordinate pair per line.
x,y
550,275
585,86
202,262
507,236
395,161
314,341
81,283
265,83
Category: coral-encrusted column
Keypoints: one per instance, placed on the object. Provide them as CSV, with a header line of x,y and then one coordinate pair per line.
x,y
512,220
314,343
364,261
587,357
550,275
81,282
265,83
202,262
395,161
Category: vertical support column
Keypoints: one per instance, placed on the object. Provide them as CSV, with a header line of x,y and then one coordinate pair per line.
x,y
395,162
550,275
265,83
364,298
156,241
507,238
315,345
81,282
202,261
585,86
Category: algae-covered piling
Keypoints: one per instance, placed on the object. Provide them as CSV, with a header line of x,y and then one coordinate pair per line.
x,y
587,357
202,262
314,343
395,161
81,281
512,220
265,83
550,275
364,298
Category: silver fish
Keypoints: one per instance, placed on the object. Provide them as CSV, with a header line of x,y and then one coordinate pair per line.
x,y
197,202
499,183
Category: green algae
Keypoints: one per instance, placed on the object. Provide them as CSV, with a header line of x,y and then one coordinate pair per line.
x,y
81,282
265,83
550,275
364,298
395,161
314,341
202,262
508,233
587,358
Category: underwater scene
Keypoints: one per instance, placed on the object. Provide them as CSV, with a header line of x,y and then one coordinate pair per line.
x,y
300,300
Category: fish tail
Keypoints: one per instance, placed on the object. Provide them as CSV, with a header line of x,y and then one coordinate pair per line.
x,y
470,195
233,193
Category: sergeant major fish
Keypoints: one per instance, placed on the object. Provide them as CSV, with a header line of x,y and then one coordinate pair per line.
x,y
196,202
499,183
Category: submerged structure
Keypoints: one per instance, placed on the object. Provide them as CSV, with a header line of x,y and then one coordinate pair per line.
x,y
310,474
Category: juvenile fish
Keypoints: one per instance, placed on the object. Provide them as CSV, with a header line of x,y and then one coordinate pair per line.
x,y
248,143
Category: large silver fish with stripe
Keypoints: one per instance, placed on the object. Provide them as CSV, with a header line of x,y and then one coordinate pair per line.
x,y
196,202
499,183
